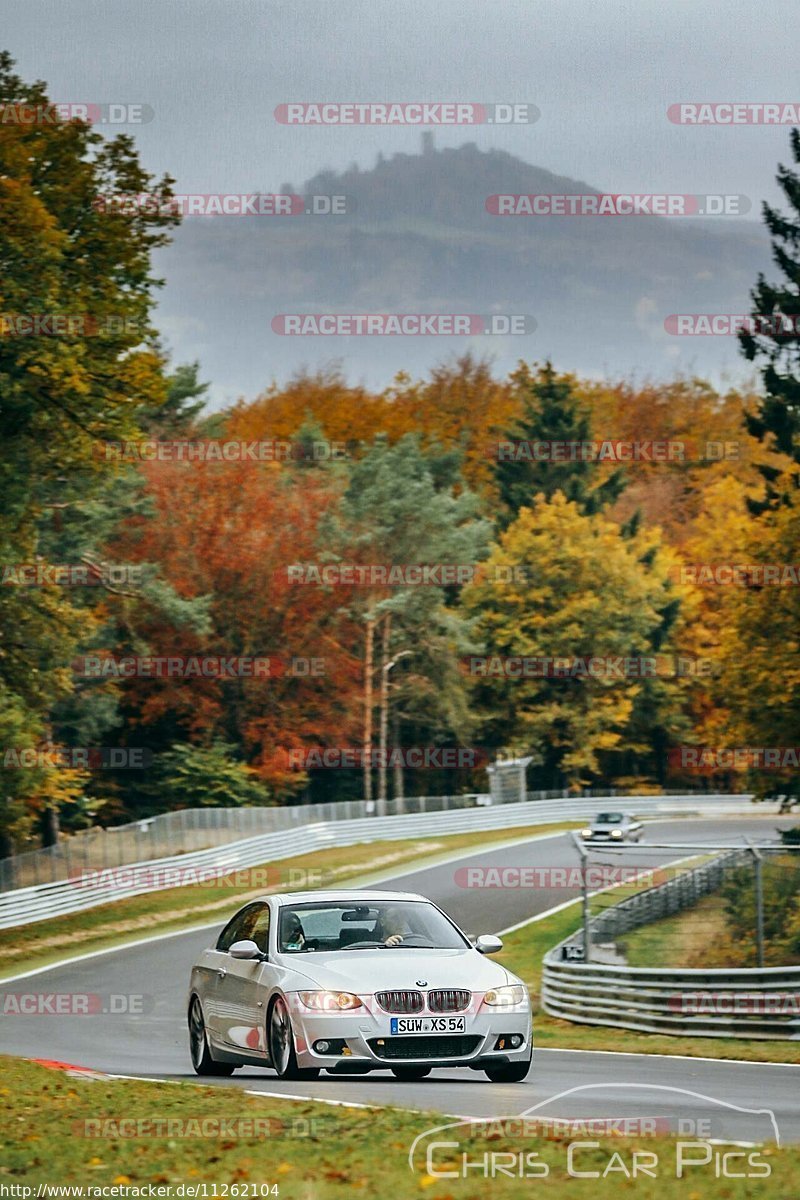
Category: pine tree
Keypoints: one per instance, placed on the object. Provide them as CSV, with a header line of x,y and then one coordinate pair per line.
x,y
776,423
551,412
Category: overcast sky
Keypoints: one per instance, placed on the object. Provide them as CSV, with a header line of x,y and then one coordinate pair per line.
x,y
602,72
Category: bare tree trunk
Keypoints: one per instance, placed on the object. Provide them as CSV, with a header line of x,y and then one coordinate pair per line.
x,y
384,713
398,781
367,742
50,826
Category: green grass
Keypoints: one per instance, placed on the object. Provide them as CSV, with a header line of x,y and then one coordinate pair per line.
x,y
311,1151
522,953
25,947
680,940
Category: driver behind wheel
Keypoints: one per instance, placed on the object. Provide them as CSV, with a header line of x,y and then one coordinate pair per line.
x,y
392,927
294,937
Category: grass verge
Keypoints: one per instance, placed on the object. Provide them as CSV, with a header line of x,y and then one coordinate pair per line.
x,y
25,947
522,953
310,1151
682,940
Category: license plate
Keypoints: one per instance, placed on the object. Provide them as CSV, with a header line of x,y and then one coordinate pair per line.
x,y
428,1025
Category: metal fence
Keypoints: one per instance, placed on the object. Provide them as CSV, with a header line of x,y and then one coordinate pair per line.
x,y
185,831
749,1002
666,899
88,887
200,828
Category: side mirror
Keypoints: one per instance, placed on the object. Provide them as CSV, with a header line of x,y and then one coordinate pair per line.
x,y
488,943
245,949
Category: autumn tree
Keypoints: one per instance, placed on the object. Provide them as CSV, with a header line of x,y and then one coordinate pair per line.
x,y
230,532
760,652
78,358
563,584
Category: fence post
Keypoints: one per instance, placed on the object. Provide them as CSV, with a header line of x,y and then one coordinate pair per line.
x,y
585,894
759,882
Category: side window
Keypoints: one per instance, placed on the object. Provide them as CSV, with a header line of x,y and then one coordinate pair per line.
x,y
260,930
242,926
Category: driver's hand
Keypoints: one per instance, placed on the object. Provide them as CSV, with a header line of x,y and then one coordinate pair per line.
x,y
394,940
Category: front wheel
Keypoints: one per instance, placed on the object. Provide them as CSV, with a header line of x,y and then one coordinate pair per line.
x,y
508,1072
409,1074
281,1045
202,1061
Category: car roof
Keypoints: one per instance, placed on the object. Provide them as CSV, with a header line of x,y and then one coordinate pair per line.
x,y
354,896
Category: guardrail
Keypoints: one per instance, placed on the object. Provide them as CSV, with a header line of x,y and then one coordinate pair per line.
x,y
190,829
663,900
749,1002
89,888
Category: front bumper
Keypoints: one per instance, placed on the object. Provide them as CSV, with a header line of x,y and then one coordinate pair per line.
x,y
370,1045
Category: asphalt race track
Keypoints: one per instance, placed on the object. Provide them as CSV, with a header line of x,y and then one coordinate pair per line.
x,y
598,1084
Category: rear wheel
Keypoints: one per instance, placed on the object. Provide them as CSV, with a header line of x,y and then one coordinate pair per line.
x,y
202,1061
281,1045
508,1072
409,1074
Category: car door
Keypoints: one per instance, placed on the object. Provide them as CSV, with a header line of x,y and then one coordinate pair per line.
x,y
215,963
241,986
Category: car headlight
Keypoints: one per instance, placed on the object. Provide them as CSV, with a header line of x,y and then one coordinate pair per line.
x,y
586,833
505,997
616,833
330,1001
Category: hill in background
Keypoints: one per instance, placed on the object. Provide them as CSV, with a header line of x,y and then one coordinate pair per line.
x,y
420,240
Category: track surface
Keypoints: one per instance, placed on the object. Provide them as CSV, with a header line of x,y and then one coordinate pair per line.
x,y
611,1085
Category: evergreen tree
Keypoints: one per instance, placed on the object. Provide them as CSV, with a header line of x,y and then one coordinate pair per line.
x,y
404,508
776,422
551,412
185,401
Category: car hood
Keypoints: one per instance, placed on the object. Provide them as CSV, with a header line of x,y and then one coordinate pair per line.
x,y
368,971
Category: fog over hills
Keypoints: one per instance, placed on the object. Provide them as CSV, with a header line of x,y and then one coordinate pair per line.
x,y
417,238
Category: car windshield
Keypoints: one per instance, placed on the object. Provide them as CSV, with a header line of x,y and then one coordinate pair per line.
x,y
610,818
373,925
